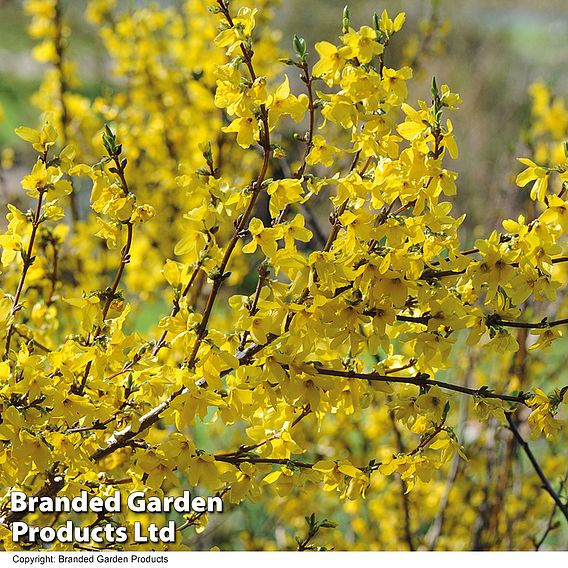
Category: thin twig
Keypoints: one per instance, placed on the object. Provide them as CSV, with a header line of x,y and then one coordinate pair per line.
x,y
421,380
110,293
536,466
28,261
551,525
403,491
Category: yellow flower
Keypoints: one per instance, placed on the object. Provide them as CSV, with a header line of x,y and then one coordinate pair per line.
x,y
321,152
40,140
388,26
534,173
37,181
415,125
541,418
46,180
142,213
247,129
283,193
432,404
363,44
556,212
265,237
545,337
282,102
332,60
395,80
243,25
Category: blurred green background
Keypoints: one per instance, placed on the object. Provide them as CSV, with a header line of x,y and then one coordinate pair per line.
x,y
494,50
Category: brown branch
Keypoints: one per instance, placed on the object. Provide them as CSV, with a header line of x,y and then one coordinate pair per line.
x,y
431,274
427,439
336,222
195,516
34,341
403,493
123,437
308,81
175,310
28,260
245,217
262,274
493,320
535,325
53,274
236,460
95,426
161,342
110,293
54,484
546,485
422,380
245,449
551,525
435,530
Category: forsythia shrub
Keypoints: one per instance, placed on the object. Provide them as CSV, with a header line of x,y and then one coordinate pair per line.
x,y
367,376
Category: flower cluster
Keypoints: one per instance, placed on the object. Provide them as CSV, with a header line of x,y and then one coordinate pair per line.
x,y
365,369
